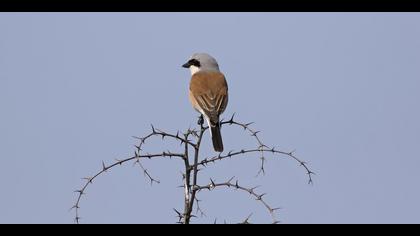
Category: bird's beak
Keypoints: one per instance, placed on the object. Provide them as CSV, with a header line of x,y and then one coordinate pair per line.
x,y
186,65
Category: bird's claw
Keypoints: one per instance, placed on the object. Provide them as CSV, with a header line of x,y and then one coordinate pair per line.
x,y
200,120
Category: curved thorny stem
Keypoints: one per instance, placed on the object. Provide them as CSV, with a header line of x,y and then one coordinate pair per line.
x,y
191,139
258,197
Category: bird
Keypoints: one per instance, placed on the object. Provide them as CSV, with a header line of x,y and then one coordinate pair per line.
x,y
208,93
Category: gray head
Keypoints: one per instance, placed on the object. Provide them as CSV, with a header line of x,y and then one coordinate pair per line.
x,y
201,61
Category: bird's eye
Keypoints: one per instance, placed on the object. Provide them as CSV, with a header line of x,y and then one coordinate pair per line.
x,y
194,62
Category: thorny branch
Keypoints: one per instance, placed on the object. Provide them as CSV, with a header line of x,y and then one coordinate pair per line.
x,y
105,168
191,139
220,157
258,197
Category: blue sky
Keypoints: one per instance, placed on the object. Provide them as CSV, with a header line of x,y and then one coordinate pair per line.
x,y
340,88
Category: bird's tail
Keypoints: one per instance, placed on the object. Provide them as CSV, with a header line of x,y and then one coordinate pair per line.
x,y
216,137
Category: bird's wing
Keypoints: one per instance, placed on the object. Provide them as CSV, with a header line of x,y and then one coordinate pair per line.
x,y
209,93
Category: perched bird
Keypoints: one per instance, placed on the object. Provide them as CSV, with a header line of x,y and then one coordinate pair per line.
x,y
208,93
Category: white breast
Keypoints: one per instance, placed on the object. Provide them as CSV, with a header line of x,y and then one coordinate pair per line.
x,y
194,69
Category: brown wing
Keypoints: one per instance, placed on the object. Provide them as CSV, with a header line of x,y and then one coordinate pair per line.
x,y
209,93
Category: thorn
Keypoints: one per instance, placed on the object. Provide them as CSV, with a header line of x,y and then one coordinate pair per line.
x,y
104,168
310,181
248,124
119,161
177,212
212,184
275,209
292,152
153,129
137,162
215,221
230,180
255,133
74,207
233,115
89,179
230,153
246,221
260,196
81,192
262,146
141,141
263,170
252,189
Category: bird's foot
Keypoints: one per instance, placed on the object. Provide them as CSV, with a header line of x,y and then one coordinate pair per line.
x,y
200,121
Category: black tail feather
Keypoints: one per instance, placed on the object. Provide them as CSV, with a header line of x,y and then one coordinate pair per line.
x,y
216,138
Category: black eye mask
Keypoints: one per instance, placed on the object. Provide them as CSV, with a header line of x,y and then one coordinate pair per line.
x,y
192,62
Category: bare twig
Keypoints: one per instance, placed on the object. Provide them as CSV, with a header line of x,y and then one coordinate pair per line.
x,y
246,221
198,208
146,173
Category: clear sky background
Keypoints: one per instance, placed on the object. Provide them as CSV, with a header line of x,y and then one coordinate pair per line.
x,y
343,89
